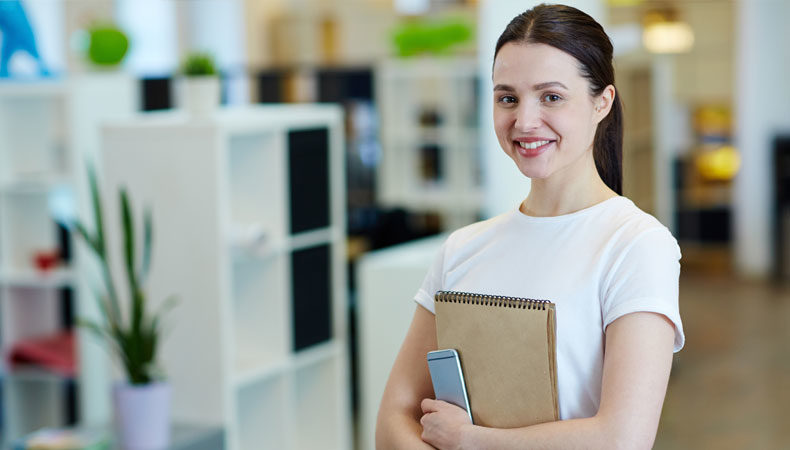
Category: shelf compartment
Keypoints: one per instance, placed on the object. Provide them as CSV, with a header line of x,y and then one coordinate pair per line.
x,y
31,137
36,403
26,227
262,417
260,316
29,312
256,183
318,405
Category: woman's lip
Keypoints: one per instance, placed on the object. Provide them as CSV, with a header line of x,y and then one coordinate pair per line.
x,y
531,152
532,139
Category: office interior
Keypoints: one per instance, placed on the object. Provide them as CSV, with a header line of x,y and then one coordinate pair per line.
x,y
294,219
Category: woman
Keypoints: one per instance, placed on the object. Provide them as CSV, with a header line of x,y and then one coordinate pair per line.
x,y
611,269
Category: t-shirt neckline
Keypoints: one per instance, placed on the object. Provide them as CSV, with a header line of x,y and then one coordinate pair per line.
x,y
576,214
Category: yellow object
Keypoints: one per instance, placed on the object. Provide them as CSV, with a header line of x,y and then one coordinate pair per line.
x,y
721,164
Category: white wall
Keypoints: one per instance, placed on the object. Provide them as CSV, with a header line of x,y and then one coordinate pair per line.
x,y
151,27
503,185
762,108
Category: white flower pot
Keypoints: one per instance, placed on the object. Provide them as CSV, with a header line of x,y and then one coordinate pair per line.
x,y
142,415
198,95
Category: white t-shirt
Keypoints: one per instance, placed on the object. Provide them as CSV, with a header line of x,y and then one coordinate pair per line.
x,y
596,264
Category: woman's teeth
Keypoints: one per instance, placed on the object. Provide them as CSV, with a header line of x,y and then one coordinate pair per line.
x,y
532,145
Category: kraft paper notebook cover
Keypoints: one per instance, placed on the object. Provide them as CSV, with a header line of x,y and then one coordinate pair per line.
x,y
507,351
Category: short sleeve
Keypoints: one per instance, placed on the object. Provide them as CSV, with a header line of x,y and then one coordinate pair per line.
x,y
433,281
645,279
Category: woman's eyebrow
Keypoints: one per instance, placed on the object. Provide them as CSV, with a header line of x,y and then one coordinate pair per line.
x,y
548,84
537,87
504,87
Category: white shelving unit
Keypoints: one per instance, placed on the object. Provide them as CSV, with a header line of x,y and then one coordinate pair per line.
x,y
430,160
47,128
33,155
249,233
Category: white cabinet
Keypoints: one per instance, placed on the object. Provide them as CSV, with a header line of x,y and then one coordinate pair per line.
x,y
249,232
387,279
430,158
46,130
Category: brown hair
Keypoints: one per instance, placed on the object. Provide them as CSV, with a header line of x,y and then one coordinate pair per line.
x,y
579,35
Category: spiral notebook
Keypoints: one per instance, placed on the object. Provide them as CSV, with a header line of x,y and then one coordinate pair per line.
x,y
507,351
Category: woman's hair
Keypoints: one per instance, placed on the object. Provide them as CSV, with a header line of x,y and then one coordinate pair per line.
x,y
579,35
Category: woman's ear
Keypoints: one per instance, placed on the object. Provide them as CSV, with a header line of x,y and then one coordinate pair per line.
x,y
604,102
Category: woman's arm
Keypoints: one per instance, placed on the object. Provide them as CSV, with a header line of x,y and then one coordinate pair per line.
x,y
636,368
398,425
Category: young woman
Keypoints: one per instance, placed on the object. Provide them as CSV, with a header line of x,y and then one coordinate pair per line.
x,y
611,269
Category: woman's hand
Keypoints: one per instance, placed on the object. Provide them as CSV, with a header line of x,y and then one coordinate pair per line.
x,y
442,423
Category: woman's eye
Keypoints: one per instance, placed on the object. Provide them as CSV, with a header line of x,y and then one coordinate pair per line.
x,y
551,98
507,99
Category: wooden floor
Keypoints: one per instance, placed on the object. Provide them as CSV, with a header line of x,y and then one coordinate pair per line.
x,y
730,385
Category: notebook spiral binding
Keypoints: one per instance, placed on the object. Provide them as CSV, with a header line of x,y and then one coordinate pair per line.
x,y
490,300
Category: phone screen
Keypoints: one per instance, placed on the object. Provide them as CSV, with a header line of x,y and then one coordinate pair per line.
x,y
447,378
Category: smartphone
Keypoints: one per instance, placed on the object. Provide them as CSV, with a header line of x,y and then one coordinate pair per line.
x,y
448,378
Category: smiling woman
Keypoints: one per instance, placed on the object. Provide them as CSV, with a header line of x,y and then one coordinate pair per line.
x,y
611,269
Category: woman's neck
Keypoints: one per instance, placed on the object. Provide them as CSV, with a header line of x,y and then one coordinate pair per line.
x,y
555,196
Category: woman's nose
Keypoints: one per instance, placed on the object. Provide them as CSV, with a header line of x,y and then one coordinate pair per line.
x,y
527,117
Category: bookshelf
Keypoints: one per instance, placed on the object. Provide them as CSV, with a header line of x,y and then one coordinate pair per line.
x,y
430,159
47,128
249,221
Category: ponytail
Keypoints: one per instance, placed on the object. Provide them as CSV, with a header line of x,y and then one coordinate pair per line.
x,y
608,147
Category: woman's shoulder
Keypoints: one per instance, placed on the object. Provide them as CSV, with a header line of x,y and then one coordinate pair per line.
x,y
628,223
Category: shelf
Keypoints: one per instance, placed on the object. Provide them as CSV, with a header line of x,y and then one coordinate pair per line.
x,y
312,238
32,373
57,278
317,354
250,372
253,243
263,419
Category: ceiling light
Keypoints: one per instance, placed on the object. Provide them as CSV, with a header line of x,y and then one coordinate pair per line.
x,y
664,33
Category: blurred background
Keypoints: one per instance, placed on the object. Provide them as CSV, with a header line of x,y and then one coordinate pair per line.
x,y
303,161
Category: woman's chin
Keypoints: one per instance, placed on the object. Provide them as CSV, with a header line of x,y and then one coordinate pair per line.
x,y
532,172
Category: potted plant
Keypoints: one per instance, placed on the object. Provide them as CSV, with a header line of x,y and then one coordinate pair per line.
x,y
141,403
199,86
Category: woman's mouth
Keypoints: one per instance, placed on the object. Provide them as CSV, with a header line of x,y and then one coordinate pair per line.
x,y
532,149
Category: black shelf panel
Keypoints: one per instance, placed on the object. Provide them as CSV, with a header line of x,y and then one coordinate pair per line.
x,y
308,158
311,283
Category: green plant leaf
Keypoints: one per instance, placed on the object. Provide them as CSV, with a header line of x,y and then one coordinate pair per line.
x,y
198,63
128,239
148,236
89,240
97,211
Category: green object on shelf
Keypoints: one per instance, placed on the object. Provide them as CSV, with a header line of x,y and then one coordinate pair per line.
x,y
107,45
199,63
134,337
433,37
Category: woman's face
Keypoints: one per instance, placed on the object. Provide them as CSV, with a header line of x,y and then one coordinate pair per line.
x,y
544,115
